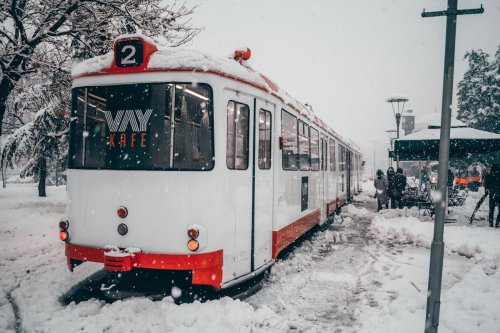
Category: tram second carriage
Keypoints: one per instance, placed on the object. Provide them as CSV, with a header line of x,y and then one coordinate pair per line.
x,y
183,162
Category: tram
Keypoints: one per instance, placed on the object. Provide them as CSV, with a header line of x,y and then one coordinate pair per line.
x,y
179,161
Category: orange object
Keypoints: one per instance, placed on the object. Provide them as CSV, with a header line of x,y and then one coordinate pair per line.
x,y
242,55
474,179
460,181
193,245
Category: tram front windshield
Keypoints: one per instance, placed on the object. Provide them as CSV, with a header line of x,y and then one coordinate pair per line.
x,y
167,126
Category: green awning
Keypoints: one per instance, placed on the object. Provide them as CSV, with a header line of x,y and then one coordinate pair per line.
x,y
424,145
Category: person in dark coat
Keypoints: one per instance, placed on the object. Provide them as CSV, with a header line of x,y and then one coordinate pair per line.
x,y
492,188
390,186
451,179
380,184
399,187
424,177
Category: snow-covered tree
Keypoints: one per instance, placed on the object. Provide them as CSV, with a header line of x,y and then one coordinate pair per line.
x,y
34,144
39,34
39,41
494,79
479,92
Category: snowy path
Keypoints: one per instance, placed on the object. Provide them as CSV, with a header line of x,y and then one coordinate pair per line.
x,y
367,273
318,286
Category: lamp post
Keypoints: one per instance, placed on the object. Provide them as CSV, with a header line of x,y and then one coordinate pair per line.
x,y
391,133
398,101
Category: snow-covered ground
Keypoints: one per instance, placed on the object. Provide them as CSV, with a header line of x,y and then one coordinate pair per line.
x,y
367,273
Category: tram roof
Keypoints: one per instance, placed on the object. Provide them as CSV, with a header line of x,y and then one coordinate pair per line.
x,y
182,59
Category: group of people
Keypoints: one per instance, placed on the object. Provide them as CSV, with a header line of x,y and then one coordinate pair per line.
x,y
389,190
492,189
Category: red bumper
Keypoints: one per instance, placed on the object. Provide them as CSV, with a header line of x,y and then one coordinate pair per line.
x,y
206,268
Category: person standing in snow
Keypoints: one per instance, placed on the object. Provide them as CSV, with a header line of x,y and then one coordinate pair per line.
x,y
391,186
424,178
399,187
380,184
492,188
451,179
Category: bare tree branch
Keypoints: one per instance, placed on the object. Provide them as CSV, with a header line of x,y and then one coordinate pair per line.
x,y
17,21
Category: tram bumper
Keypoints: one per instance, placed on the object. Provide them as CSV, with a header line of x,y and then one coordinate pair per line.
x,y
206,268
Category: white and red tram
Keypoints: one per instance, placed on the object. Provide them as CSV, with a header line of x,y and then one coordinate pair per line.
x,y
183,162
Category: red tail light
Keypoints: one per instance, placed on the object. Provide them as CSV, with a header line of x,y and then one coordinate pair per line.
x,y
64,236
193,233
63,224
122,212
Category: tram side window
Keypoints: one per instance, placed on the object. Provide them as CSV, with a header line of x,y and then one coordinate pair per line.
x,y
289,133
265,124
314,149
322,154
304,146
325,155
333,161
342,156
237,136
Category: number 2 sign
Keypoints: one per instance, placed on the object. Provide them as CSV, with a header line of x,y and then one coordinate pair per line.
x,y
128,53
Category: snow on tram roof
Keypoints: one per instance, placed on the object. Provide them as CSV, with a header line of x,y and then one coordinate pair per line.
x,y
170,58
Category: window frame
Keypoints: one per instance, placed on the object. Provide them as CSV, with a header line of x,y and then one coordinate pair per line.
x,y
308,145
333,157
342,158
235,137
295,156
267,158
311,131
72,130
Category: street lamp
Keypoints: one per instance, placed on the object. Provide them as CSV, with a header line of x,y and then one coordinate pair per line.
x,y
391,133
398,101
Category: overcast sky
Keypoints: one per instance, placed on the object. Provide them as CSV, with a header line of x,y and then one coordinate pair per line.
x,y
345,57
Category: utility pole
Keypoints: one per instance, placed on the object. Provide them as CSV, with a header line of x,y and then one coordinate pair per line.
x,y
437,247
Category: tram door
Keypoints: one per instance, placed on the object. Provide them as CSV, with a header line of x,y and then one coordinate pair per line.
x,y
249,158
348,169
263,182
238,180
323,181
